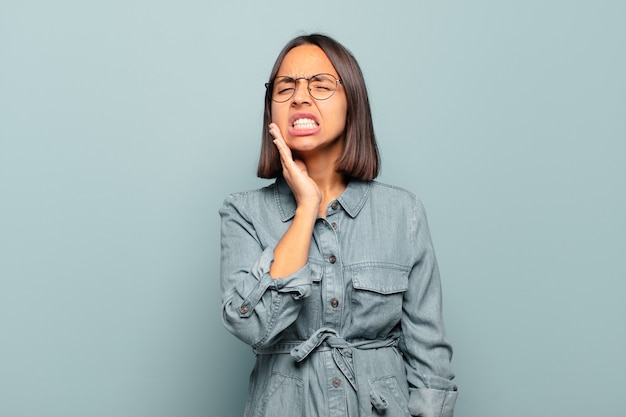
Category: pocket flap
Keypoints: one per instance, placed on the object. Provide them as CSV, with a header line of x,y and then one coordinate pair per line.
x,y
383,279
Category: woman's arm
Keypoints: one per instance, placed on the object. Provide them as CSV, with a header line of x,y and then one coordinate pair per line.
x,y
255,307
262,286
427,353
292,251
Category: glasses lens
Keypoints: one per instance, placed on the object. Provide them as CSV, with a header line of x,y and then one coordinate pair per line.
x,y
321,87
284,88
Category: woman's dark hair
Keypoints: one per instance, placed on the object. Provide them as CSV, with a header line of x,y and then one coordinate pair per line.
x,y
360,158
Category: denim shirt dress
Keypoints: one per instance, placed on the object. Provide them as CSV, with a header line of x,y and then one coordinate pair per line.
x,y
358,330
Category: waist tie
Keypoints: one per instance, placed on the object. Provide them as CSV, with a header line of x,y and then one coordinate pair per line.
x,y
344,355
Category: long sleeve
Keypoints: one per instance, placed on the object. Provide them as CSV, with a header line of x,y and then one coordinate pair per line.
x,y
426,351
255,307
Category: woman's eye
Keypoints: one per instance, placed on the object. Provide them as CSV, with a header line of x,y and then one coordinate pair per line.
x,y
321,87
283,88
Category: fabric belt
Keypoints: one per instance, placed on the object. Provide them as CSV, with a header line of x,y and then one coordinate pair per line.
x,y
345,355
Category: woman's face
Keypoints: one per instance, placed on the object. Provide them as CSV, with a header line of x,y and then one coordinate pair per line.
x,y
310,125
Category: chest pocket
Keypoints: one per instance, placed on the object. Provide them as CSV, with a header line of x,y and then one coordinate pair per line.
x,y
377,294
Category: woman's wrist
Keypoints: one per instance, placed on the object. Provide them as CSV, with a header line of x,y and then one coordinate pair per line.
x,y
309,210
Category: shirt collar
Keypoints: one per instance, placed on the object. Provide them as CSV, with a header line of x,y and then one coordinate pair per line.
x,y
352,199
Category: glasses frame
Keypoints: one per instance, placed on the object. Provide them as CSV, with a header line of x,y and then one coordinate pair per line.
x,y
308,86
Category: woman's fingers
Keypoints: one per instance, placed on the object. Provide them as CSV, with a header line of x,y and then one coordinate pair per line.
x,y
286,156
283,149
294,171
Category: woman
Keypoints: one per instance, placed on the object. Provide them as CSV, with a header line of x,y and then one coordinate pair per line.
x,y
327,274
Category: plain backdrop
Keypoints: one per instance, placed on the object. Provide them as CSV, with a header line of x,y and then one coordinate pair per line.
x,y
124,124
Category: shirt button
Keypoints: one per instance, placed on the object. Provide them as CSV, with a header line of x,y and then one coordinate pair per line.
x,y
334,205
334,225
334,303
332,259
244,309
336,382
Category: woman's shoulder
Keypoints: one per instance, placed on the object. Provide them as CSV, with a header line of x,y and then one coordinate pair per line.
x,y
250,197
396,197
382,189
252,192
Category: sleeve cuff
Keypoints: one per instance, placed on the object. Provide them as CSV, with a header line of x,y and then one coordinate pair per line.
x,y
298,284
427,402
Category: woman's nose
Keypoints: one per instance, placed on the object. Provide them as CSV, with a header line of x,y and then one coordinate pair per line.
x,y
301,94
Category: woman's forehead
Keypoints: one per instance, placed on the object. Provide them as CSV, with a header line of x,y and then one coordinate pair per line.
x,y
304,61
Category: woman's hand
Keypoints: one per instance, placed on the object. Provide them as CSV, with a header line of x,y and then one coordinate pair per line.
x,y
304,189
292,251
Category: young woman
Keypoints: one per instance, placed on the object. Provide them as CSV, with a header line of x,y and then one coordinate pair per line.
x,y
331,276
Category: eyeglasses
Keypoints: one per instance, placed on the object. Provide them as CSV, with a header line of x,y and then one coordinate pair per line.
x,y
320,86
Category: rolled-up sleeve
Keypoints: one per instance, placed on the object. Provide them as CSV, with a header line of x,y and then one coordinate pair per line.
x,y
426,351
255,307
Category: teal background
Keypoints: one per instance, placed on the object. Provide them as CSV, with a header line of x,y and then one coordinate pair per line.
x,y
124,124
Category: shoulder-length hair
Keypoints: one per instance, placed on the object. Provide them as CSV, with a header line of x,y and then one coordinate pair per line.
x,y
360,158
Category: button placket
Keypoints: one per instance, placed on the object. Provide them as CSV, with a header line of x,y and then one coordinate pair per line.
x,y
332,282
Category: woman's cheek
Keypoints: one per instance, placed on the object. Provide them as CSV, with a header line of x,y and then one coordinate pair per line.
x,y
281,121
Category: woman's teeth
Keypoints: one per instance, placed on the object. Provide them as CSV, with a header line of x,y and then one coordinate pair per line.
x,y
304,124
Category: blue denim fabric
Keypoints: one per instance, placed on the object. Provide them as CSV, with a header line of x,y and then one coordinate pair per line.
x,y
358,330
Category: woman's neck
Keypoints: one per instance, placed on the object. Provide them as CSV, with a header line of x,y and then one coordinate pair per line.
x,y
330,183
322,168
